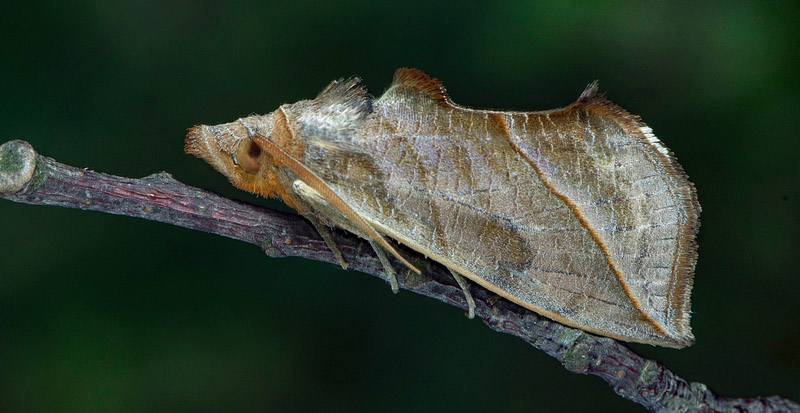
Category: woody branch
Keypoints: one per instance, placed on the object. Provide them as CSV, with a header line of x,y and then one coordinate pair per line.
x,y
28,177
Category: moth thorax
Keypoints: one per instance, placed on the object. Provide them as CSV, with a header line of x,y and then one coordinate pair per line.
x,y
286,138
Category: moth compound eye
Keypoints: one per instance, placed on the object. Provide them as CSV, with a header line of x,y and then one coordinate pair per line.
x,y
248,156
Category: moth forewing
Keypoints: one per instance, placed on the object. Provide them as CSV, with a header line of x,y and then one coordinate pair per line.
x,y
579,214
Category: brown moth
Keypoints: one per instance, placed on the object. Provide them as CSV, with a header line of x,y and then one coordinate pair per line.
x,y
580,214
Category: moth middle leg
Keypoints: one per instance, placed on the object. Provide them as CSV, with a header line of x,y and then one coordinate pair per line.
x,y
387,266
462,282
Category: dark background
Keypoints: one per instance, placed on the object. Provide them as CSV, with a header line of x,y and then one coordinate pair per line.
x,y
108,313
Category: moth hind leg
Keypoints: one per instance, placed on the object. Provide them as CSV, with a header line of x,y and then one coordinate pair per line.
x,y
462,282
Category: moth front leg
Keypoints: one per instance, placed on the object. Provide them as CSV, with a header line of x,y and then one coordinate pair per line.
x,y
313,198
322,208
328,237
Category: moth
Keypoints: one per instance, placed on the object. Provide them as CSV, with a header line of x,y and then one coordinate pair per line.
x,y
580,214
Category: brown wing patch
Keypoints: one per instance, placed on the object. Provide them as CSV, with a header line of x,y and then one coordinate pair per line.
x,y
407,77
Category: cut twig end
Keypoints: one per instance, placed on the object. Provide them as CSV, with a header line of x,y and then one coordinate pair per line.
x,y
17,165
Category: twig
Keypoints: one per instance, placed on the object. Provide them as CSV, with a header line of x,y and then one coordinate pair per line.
x,y
30,178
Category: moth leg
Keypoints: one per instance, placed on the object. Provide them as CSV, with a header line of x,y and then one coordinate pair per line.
x,y
323,208
313,198
328,237
387,266
333,202
467,295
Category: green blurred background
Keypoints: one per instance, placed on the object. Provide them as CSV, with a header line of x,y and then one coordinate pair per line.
x,y
108,313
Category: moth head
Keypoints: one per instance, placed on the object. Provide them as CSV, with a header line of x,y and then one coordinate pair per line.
x,y
231,150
